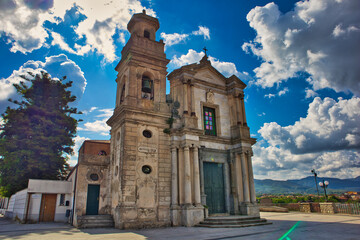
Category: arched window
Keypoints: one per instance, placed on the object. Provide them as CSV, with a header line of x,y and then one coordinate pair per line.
x,y
147,88
122,97
147,34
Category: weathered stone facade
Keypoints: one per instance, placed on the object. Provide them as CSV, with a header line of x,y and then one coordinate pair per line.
x,y
196,89
172,155
140,164
92,169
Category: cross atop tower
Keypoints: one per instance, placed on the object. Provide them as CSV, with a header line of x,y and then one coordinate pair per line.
x,y
205,50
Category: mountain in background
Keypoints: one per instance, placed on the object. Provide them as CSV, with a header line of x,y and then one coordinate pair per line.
x,y
306,185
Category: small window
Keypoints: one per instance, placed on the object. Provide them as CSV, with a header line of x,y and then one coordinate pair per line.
x,y
147,134
147,34
62,200
146,169
94,177
209,121
102,153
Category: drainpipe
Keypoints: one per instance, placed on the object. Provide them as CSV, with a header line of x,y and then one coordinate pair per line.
x,y
73,207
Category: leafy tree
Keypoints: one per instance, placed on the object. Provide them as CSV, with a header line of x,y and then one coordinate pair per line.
x,y
36,136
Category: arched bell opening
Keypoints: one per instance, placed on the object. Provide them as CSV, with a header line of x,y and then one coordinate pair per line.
x,y
147,88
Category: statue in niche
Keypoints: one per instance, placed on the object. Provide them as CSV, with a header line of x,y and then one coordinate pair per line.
x,y
210,96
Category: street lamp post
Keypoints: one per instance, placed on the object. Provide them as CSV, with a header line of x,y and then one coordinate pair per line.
x,y
315,175
324,185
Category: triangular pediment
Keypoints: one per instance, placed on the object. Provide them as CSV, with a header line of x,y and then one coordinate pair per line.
x,y
209,75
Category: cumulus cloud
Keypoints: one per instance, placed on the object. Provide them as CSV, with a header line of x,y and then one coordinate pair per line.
x,y
203,31
304,40
95,31
310,93
326,139
99,124
78,142
226,68
57,66
329,125
174,38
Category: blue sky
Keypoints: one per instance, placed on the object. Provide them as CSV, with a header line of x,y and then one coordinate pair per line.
x,y
300,60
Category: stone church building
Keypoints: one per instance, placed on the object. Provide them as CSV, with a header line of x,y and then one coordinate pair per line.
x,y
171,158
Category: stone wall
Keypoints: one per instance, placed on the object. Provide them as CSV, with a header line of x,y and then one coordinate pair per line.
x,y
305,207
328,208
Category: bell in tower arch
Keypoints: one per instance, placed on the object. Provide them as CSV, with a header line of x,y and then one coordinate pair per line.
x,y
147,91
146,85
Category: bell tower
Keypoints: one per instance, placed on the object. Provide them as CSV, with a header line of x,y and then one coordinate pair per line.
x,y
140,162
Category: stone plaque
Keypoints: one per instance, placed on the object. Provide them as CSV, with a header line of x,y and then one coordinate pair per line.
x,y
150,150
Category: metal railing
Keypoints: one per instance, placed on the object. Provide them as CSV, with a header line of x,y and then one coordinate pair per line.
x,y
347,208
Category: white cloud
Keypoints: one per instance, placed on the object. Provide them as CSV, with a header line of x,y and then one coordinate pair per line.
x,y
101,22
78,142
328,139
191,57
270,95
280,93
226,68
25,33
304,40
174,38
89,111
324,128
310,93
98,126
203,31
57,66
59,40
283,92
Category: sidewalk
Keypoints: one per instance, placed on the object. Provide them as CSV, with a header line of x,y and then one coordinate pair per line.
x,y
303,225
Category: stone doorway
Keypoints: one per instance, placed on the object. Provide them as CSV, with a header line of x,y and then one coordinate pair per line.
x,y
214,187
92,203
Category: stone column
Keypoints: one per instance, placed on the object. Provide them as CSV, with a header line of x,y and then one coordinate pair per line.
x,y
245,177
251,179
243,110
239,175
174,177
192,100
227,187
196,177
187,180
238,110
185,96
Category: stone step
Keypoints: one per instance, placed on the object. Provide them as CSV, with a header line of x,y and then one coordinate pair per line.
x,y
96,217
95,221
231,218
234,221
231,222
233,226
97,225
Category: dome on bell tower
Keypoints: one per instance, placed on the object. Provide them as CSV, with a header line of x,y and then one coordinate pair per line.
x,y
143,25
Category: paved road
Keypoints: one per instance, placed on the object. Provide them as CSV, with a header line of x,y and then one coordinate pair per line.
x,y
293,225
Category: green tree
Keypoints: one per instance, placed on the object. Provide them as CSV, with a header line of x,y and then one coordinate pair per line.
x,y
36,136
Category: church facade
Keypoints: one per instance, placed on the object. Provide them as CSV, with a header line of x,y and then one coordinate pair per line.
x,y
171,158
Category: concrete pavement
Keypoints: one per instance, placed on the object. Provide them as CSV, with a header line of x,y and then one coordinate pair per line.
x,y
293,225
